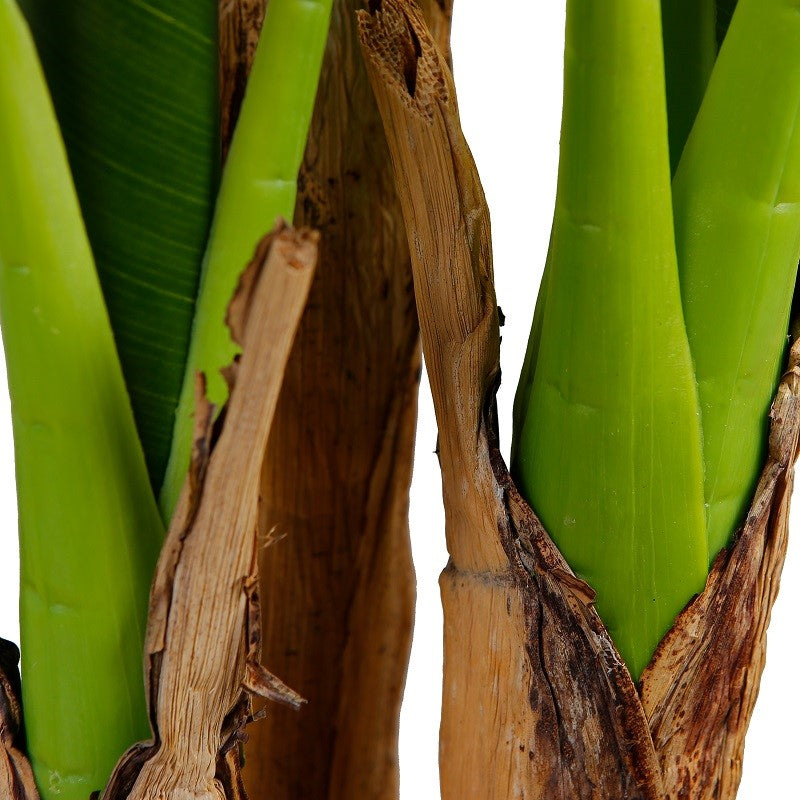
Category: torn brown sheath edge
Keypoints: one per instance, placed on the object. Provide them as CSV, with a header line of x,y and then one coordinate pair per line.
x,y
338,468
292,251
16,776
570,723
238,31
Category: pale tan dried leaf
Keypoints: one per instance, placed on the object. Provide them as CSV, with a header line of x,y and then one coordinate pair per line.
x,y
202,645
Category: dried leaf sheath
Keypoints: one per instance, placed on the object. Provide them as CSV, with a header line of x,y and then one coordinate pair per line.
x,y
338,466
537,703
203,645
701,686
16,775
502,728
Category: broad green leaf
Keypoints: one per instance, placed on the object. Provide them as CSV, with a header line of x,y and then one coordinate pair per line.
x,y
88,523
134,83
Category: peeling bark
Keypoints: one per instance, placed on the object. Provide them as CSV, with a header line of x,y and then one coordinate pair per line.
x,y
16,776
701,685
239,29
202,648
537,702
338,469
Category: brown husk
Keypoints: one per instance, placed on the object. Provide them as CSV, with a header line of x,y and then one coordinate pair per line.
x,y
202,648
16,776
537,702
338,468
239,27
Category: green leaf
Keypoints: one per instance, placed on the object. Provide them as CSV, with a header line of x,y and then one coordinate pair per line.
x,y
607,442
259,184
725,9
690,48
134,83
88,523
737,229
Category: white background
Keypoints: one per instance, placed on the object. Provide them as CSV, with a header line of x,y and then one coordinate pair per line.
x,y
508,70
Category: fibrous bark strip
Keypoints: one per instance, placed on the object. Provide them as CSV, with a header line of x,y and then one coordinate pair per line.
x,y
537,702
338,467
202,649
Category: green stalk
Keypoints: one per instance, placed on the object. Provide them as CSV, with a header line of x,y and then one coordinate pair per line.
x,y
737,229
135,87
259,184
690,48
89,526
608,445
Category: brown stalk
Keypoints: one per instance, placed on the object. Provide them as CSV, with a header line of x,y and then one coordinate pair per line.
x,y
239,27
537,702
338,466
202,649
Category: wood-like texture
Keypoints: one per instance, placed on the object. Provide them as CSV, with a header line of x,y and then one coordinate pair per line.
x,y
701,686
338,468
438,15
537,702
239,27
16,776
202,650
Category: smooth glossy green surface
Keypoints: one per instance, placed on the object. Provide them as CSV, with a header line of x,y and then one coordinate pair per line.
x,y
135,89
608,446
89,526
259,184
737,229
690,48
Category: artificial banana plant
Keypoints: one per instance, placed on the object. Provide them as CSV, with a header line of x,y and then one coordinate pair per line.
x,y
272,415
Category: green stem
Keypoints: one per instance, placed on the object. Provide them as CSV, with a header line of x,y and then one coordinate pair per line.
x,y
135,87
259,184
690,48
608,449
89,527
737,229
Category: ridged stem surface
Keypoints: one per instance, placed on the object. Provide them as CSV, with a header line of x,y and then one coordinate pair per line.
x,y
89,527
737,229
608,446
259,184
